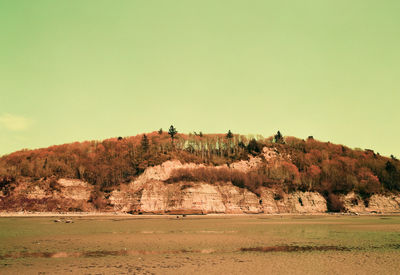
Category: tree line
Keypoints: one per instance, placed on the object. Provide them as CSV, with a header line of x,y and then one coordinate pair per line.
x,y
308,165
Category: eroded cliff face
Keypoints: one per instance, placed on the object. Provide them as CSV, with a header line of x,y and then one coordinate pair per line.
x,y
151,193
297,202
376,203
204,198
47,195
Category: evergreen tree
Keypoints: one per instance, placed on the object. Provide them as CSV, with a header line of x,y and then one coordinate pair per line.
x,y
278,138
172,132
145,143
229,135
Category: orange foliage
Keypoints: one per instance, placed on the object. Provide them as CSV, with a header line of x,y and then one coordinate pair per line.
x,y
312,165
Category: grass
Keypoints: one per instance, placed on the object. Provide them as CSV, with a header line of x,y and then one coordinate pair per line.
x,y
201,244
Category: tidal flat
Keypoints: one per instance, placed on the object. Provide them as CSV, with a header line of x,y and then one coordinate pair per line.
x,y
205,244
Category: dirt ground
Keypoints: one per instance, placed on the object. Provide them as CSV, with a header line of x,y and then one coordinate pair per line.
x,y
247,244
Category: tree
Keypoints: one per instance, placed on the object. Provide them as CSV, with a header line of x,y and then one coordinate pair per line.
x,y
254,147
160,131
391,176
145,143
278,138
229,135
172,132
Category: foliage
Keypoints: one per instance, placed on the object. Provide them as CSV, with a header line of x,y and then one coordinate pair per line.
x,y
254,147
278,138
145,143
307,165
334,204
172,131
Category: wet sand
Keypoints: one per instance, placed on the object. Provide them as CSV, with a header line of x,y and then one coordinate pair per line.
x,y
209,244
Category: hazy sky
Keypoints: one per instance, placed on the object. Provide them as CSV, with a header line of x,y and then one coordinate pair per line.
x,y
82,70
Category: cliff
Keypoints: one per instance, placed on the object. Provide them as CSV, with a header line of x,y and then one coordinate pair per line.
x,y
152,193
210,173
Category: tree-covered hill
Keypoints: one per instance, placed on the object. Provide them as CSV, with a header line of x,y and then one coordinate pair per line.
x,y
307,165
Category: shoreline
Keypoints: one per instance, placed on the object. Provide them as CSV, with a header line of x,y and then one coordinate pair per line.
x,y
150,215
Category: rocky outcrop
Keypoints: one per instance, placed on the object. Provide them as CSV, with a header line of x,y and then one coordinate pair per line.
x,y
47,195
202,198
153,193
163,172
297,202
375,204
74,189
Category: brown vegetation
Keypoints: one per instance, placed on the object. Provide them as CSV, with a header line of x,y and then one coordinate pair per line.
x,y
311,165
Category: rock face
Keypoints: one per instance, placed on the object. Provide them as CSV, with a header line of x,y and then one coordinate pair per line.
x,y
297,202
202,198
47,195
151,193
74,189
376,203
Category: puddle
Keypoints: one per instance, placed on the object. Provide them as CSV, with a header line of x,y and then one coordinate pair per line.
x,y
97,254
125,252
294,248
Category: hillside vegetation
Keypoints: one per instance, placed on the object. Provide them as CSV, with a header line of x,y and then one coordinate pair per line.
x,y
305,165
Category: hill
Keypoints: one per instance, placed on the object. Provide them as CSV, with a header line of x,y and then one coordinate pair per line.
x,y
284,164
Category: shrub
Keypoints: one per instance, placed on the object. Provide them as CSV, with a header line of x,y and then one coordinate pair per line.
x,y
278,196
252,180
334,204
368,183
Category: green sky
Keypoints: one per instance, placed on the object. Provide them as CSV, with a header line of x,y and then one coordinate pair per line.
x,y
81,70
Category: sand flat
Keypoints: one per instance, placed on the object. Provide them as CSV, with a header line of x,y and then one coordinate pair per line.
x,y
212,244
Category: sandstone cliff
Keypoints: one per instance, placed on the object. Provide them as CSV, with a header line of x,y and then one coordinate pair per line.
x,y
47,195
151,193
376,203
